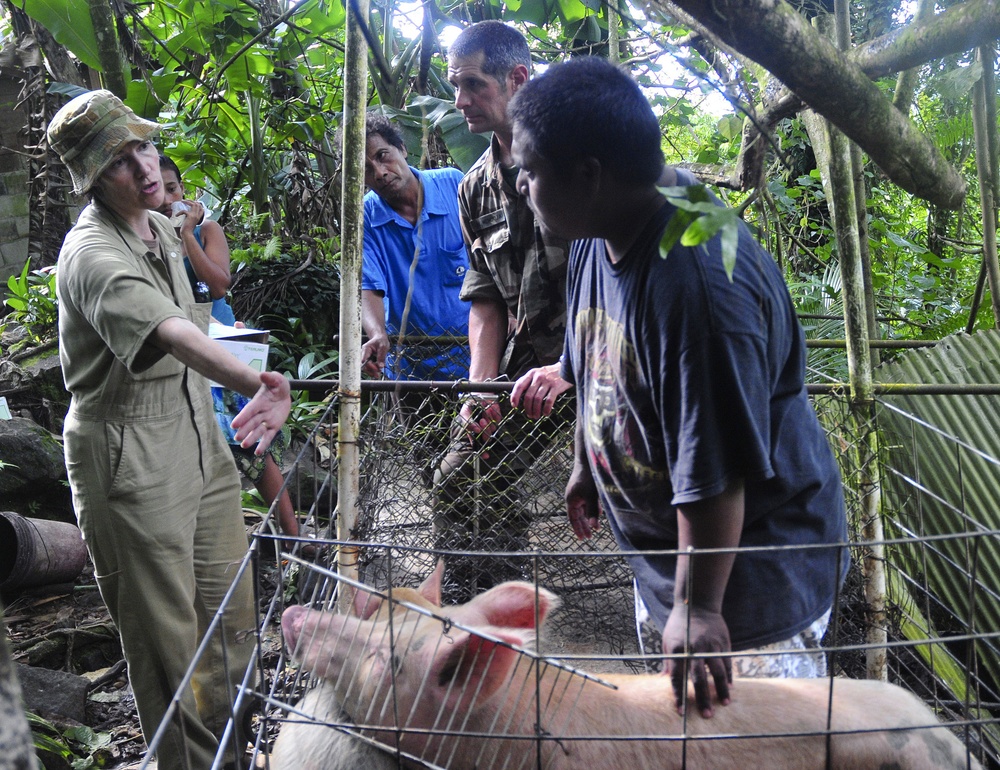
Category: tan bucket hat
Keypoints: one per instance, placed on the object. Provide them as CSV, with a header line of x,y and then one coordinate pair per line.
x,y
88,131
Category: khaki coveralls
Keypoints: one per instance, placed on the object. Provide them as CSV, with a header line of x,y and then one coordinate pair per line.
x,y
154,486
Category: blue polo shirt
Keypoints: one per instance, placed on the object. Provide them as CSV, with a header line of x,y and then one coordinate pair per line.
x,y
390,243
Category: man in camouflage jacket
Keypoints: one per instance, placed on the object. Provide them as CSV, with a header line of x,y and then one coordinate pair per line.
x,y
516,284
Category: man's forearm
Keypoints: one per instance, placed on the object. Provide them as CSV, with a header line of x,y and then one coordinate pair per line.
x,y
708,524
372,313
579,442
487,339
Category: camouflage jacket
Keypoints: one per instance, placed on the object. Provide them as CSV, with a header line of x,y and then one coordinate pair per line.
x,y
512,260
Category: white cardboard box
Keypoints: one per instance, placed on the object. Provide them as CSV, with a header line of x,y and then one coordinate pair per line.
x,y
248,345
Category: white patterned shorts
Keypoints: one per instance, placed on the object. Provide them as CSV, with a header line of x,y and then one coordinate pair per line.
x,y
798,657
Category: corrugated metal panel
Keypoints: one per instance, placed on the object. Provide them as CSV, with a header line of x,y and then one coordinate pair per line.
x,y
943,478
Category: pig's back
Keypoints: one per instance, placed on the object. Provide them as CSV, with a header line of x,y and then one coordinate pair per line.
x,y
778,724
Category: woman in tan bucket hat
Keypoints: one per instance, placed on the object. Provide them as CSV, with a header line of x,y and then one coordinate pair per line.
x,y
154,486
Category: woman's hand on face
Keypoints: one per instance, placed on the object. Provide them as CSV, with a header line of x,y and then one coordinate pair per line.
x,y
193,217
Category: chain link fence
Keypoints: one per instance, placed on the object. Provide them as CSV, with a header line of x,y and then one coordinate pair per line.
x,y
424,496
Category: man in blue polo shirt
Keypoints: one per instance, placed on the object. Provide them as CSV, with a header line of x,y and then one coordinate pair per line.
x,y
414,263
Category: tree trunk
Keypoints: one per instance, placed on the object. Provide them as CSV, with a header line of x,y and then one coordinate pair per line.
x,y
108,50
984,91
614,44
774,35
17,744
906,83
955,30
48,179
960,28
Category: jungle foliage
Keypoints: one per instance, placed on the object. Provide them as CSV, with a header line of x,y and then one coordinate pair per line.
x,y
251,96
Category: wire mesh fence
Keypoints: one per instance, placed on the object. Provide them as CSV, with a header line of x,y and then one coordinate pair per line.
x,y
934,627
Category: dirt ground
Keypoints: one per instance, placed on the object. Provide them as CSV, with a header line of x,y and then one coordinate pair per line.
x,y
68,628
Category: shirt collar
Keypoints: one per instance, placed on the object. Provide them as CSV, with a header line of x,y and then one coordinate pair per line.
x,y
434,203
495,167
160,225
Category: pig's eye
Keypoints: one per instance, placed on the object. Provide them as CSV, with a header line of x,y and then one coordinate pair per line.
x,y
397,664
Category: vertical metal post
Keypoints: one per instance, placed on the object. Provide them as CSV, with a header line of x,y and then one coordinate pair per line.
x,y
352,222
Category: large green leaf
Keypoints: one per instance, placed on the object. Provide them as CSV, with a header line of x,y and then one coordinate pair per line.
x,y
249,69
70,24
463,146
574,10
545,12
320,18
697,221
188,40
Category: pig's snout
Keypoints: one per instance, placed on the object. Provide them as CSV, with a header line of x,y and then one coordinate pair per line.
x,y
291,624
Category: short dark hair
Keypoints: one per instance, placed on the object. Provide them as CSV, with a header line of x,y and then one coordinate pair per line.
x,y
503,47
378,124
588,107
169,165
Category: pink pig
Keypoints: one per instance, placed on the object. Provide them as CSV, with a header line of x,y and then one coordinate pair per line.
x,y
455,692
308,745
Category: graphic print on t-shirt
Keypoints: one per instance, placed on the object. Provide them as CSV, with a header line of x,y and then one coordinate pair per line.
x,y
627,464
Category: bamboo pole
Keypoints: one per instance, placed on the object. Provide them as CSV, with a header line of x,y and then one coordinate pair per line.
x,y
352,223
614,43
845,216
977,298
861,203
988,53
847,210
983,93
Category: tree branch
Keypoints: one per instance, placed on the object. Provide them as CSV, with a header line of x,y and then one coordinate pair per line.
x,y
774,35
108,50
960,28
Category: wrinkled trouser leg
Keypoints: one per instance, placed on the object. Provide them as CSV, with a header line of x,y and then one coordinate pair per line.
x,y
476,510
220,545
166,539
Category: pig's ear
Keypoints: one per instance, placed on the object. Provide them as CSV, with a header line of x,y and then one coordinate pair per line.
x,y
514,605
365,604
430,589
472,668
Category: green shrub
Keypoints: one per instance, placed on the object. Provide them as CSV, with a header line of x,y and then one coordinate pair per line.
x,y
31,297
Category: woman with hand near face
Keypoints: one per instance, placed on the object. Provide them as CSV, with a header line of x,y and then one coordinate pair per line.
x,y
206,259
206,250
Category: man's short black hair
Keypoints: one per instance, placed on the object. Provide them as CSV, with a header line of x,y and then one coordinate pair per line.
x,y
376,123
503,47
588,107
